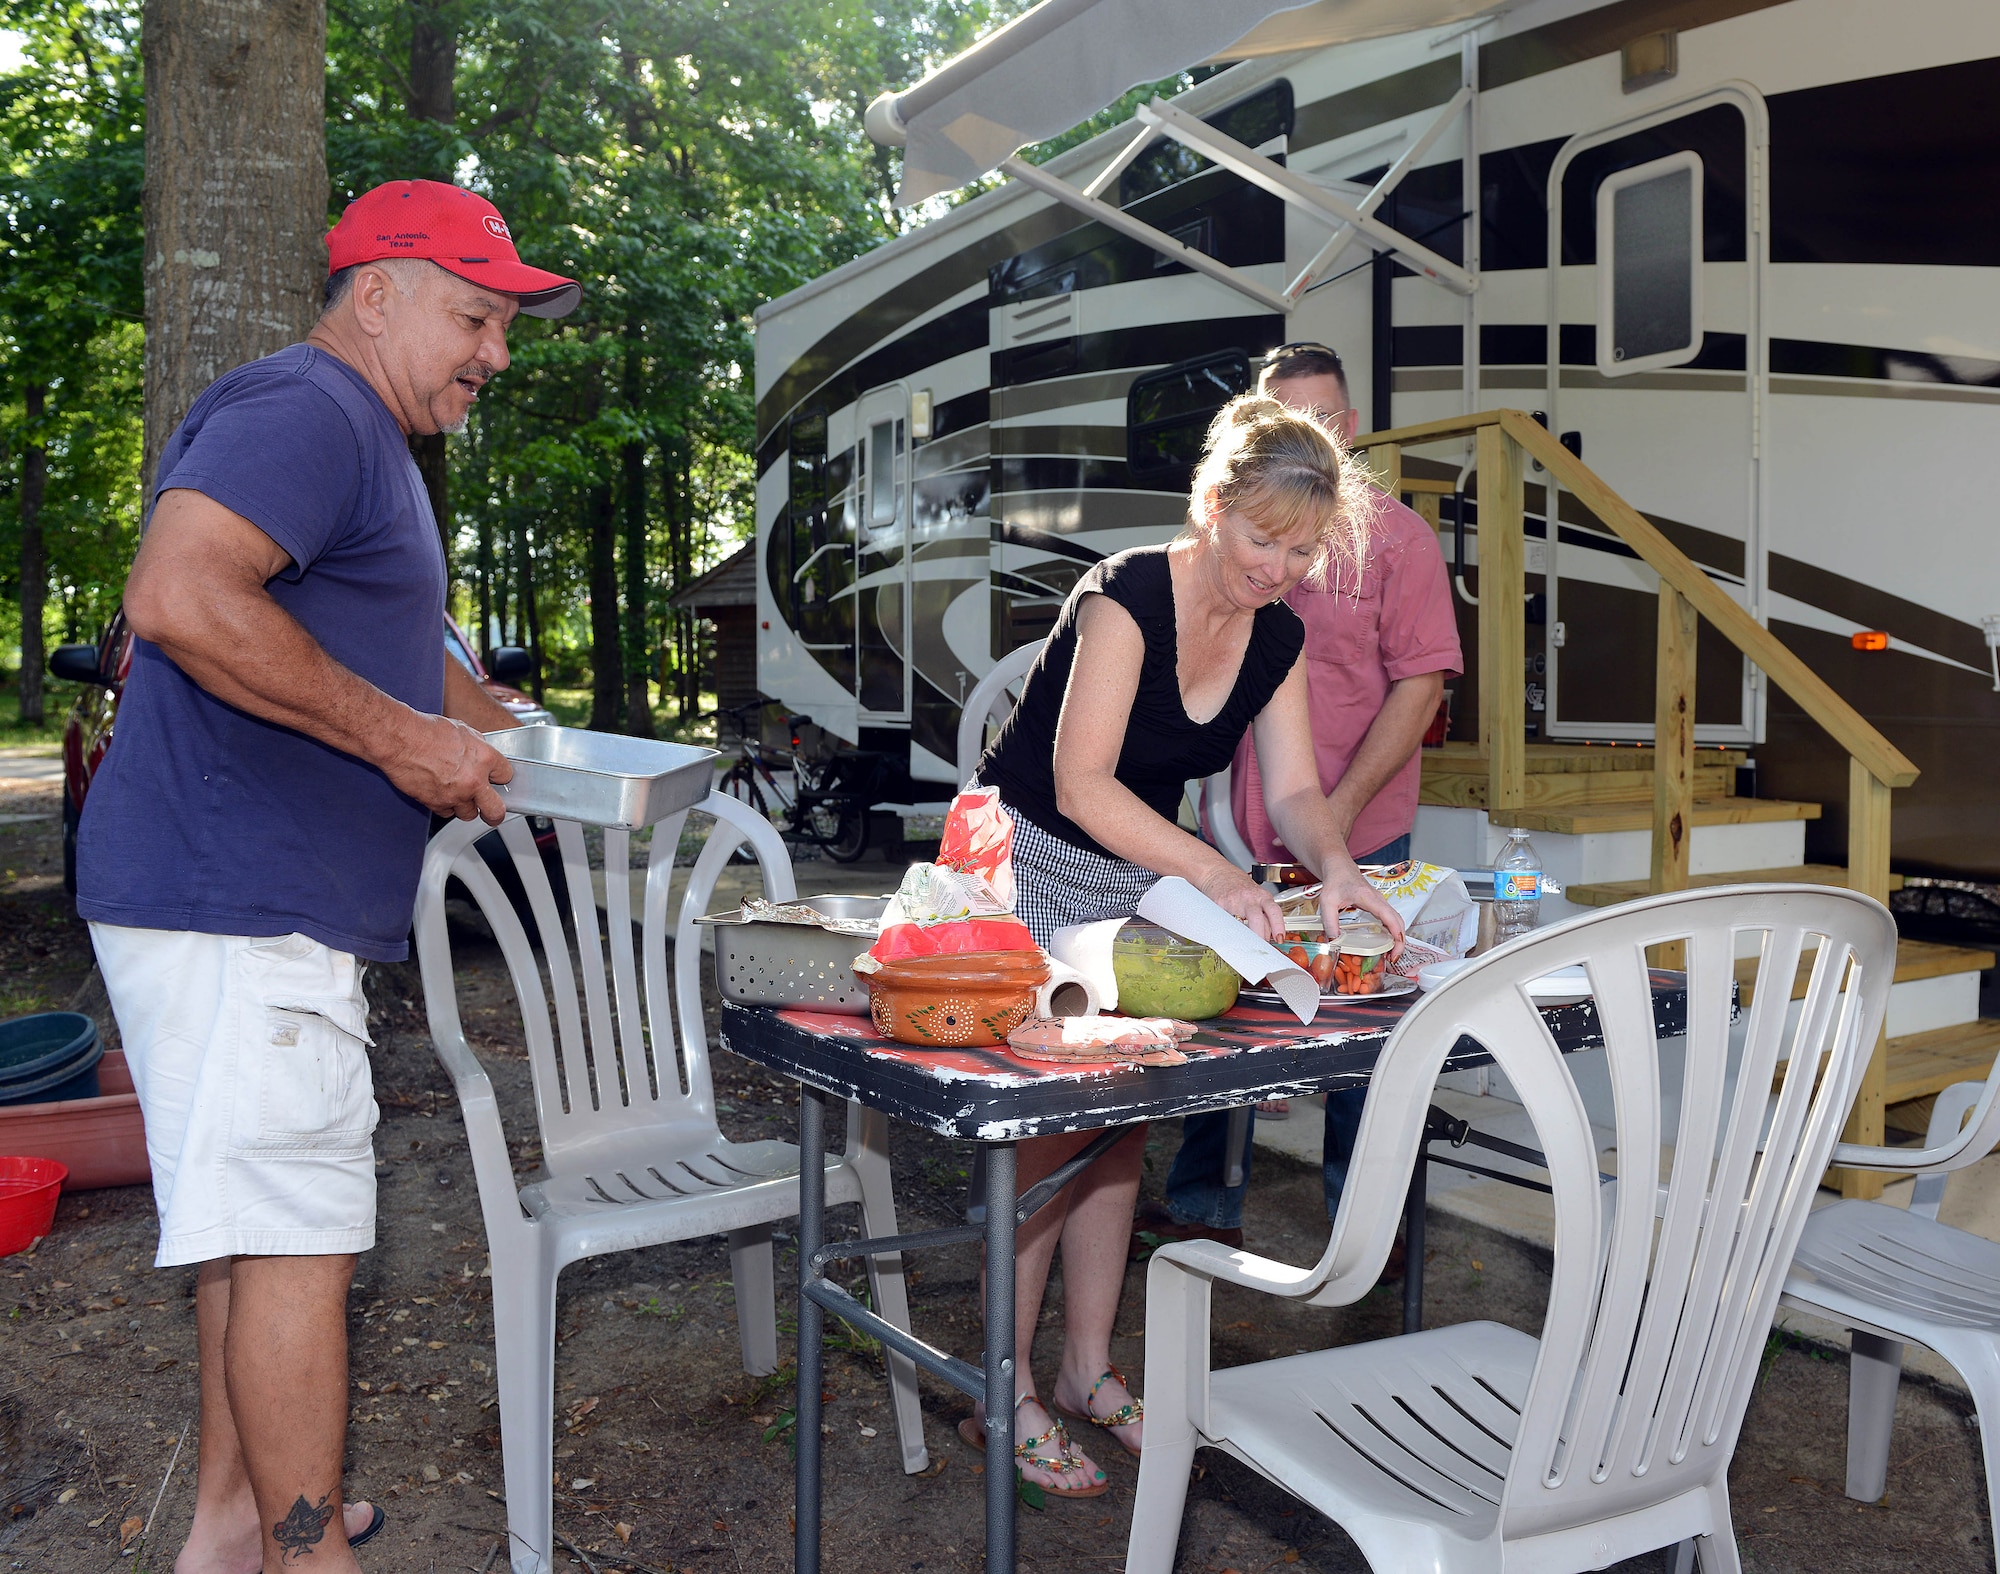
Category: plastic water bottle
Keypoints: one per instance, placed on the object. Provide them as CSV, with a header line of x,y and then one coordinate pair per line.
x,y
1517,887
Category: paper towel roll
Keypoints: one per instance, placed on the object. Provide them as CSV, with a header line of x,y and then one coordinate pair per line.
x,y
1068,993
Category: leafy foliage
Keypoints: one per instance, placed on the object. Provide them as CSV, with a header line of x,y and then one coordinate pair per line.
x,y
683,162
71,163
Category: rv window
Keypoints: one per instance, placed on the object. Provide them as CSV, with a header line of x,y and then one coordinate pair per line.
x,y
1649,266
806,503
1253,121
1167,414
882,474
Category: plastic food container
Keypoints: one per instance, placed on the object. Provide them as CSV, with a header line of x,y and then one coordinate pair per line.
x,y
1159,974
28,1192
1354,964
953,1002
1364,958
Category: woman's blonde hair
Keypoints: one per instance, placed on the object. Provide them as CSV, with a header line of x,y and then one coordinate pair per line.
x,y
1289,474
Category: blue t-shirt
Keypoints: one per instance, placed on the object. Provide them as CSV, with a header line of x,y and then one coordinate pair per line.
x,y
202,817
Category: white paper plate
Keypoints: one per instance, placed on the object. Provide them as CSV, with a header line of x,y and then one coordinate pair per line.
x,y
1395,984
1564,987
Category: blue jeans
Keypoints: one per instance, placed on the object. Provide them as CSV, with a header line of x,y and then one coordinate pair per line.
x,y
1195,1190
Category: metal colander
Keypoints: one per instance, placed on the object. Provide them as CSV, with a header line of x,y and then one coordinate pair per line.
x,y
768,962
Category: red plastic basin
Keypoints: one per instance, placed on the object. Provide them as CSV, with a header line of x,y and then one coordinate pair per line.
x,y
28,1192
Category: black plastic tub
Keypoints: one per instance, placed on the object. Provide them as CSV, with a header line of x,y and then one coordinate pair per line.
x,y
48,1057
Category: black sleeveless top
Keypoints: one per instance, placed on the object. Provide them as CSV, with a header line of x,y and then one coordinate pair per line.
x,y
1163,749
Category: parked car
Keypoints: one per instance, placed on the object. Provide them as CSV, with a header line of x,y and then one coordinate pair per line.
x,y
102,669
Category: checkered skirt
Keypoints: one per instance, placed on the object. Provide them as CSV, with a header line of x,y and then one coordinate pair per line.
x,y
1057,884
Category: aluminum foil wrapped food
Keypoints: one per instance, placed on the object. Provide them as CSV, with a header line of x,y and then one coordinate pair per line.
x,y
1102,1041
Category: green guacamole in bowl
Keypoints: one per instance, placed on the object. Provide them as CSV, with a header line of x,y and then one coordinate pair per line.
x,y
1161,975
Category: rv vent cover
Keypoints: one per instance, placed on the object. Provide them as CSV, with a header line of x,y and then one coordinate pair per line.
x,y
1037,321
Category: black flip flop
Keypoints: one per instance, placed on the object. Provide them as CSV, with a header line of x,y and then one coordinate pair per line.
x,y
374,1525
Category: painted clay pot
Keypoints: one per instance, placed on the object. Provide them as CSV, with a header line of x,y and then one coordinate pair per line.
x,y
951,1002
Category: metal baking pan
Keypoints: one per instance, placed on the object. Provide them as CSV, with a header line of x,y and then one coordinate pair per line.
x,y
769,962
601,778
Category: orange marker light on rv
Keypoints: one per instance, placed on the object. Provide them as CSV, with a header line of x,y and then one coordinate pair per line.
x,y
1870,639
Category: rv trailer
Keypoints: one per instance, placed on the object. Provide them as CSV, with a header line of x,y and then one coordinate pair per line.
x,y
1742,256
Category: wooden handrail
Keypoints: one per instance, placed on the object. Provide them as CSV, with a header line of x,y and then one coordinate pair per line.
x,y
1888,764
1884,761
1686,594
1432,431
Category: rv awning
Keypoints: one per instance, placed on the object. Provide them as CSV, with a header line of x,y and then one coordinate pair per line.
x,y
1064,60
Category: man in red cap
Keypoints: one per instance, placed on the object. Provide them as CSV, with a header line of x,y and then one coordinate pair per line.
x,y
254,836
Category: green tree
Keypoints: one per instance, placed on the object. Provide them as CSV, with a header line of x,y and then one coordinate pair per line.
x,y
71,166
683,162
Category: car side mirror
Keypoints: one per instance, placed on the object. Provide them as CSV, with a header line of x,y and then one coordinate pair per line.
x,y
510,664
75,664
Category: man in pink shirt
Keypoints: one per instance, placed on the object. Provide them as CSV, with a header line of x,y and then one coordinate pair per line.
x,y
1380,641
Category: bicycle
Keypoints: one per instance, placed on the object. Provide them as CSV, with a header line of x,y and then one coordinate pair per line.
x,y
823,805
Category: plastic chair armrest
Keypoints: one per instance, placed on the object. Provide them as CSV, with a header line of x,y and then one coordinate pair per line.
x,y
485,1135
1927,1160
468,1078
1212,1260
1946,1147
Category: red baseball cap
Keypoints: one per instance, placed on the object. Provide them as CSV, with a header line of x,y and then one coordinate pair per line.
x,y
459,230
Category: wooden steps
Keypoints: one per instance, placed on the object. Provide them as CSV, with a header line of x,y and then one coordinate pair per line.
x,y
1610,892
1914,959
1922,1064
1569,758
1466,789
1589,819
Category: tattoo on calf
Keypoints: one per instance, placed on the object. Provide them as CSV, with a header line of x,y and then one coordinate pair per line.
x,y
300,1532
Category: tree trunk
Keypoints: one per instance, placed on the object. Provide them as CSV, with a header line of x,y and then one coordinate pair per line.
x,y
638,709
485,639
688,633
607,674
531,615
236,193
435,467
34,559
433,72
433,68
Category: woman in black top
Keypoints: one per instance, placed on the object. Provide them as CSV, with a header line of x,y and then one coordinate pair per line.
x,y
1162,657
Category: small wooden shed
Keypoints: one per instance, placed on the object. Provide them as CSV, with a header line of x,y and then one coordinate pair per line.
x,y
727,597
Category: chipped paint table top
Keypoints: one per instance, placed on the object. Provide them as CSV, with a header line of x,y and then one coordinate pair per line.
x,y
989,1095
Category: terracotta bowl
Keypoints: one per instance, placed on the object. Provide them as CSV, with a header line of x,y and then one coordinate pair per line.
x,y
950,1002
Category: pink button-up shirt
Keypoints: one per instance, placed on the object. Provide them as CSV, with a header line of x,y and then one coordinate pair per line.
x,y
1364,631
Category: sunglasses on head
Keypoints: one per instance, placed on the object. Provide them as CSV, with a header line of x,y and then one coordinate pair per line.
x,y
1298,347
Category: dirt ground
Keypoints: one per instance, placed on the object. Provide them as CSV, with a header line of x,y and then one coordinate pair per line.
x,y
667,1458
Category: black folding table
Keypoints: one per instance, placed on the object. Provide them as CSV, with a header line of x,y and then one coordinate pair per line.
x,y
991,1097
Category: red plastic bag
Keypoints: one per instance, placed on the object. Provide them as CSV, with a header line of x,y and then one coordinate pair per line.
x,y
954,938
979,839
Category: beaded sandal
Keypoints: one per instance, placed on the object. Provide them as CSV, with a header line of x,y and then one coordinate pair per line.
x,y
1128,1414
1066,1457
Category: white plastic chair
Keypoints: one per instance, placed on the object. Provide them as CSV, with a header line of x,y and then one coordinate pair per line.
x,y
991,700
1215,815
1895,1276
1477,1447
630,1147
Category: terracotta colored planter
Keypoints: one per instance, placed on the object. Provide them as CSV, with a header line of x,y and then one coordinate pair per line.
x,y
947,1002
102,1141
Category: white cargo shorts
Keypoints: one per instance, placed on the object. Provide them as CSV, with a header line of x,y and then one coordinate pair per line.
x,y
250,1059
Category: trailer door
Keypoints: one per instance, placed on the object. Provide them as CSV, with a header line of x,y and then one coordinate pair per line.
x,y
882,554
1656,374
